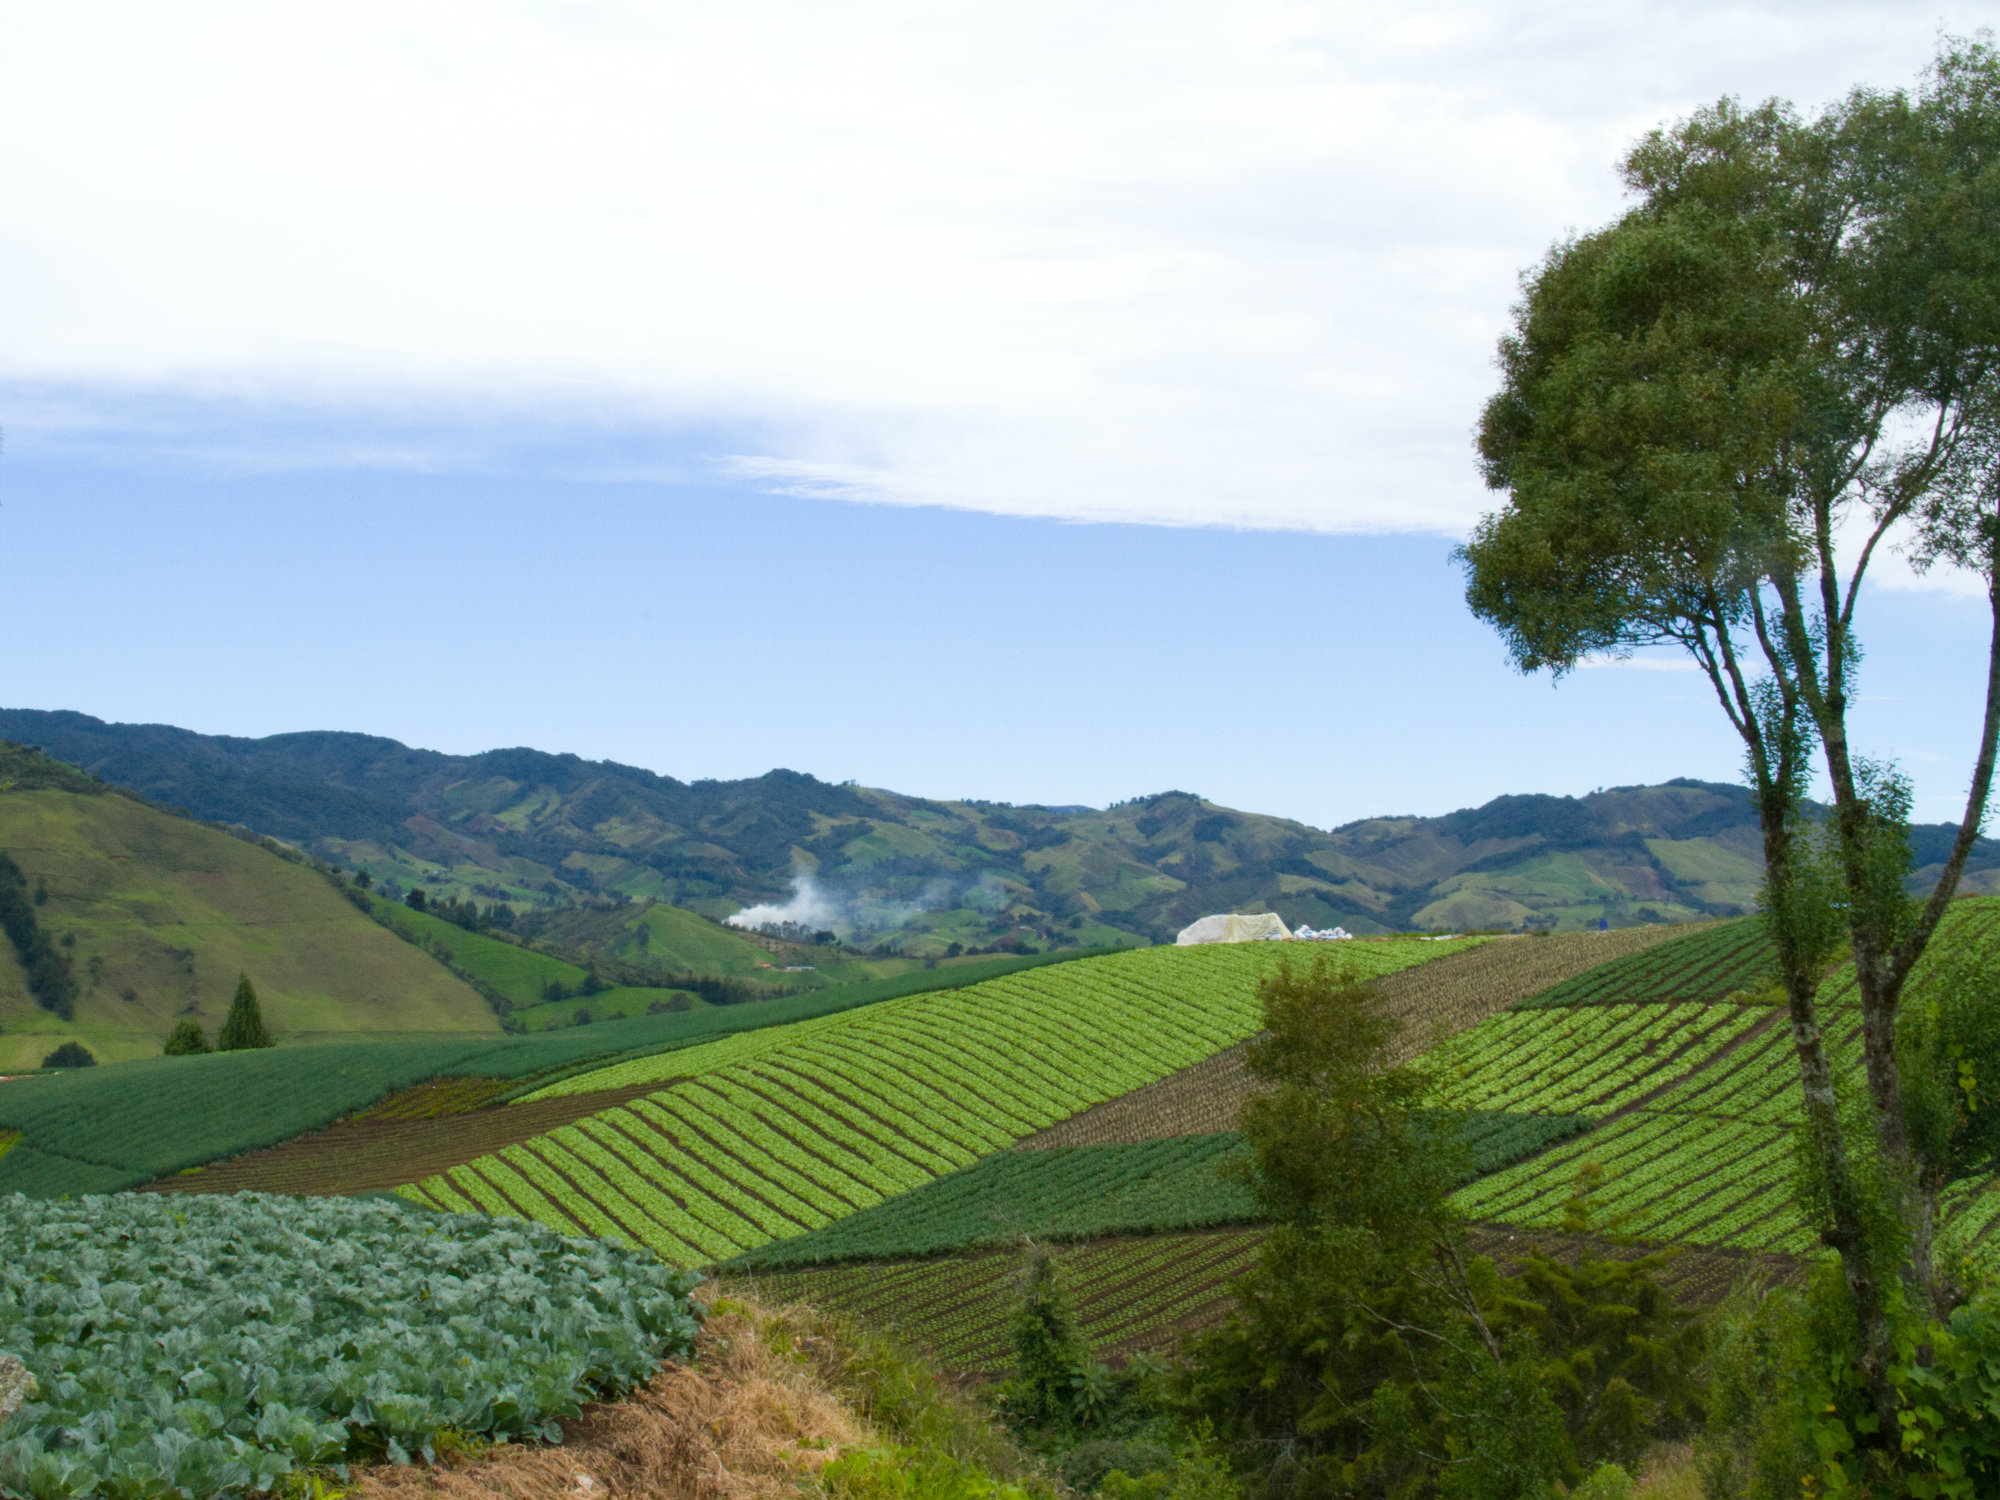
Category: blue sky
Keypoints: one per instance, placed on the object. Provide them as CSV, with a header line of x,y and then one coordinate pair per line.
x,y
712,629
974,399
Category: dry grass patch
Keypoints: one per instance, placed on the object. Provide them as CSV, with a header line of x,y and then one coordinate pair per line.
x,y
771,1397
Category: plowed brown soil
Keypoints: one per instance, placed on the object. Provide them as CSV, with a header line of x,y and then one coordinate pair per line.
x,y
364,1155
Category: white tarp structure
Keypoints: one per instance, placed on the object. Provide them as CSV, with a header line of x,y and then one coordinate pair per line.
x,y
1265,926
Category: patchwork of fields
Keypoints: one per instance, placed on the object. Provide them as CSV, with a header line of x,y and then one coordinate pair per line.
x,y
778,1132
866,1155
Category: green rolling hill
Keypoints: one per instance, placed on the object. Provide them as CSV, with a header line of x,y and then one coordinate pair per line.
x,y
157,915
917,875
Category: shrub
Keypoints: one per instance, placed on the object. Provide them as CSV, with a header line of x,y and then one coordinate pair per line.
x,y
187,1039
70,1055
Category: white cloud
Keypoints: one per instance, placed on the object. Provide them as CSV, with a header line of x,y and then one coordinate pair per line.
x,y
1185,263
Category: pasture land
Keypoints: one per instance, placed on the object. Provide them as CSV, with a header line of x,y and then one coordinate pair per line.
x,y
158,915
775,1133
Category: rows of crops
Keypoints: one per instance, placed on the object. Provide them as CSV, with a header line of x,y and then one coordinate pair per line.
x,y
1130,1294
1710,964
1709,1160
1591,1060
210,1346
379,1150
1434,1000
775,1133
1068,1193
99,1130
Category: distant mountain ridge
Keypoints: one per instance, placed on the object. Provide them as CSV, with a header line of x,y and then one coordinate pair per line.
x,y
919,874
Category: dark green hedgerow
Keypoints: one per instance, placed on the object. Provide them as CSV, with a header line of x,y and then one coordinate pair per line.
x,y
1080,1192
1706,966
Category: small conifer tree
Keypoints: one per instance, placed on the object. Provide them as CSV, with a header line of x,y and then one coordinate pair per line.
x,y
244,1026
1051,1357
187,1039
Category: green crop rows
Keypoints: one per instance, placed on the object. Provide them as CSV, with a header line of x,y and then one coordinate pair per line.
x,y
1707,965
209,1346
1066,1193
98,1130
1130,1294
778,1132
1709,1160
1085,1192
1583,1060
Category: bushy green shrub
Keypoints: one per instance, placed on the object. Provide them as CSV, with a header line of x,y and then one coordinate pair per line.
x,y
187,1039
910,1474
70,1055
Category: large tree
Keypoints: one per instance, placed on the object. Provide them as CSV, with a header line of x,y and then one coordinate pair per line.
x,y
1714,415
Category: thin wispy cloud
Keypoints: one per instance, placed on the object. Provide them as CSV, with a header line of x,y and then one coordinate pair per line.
x,y
1192,264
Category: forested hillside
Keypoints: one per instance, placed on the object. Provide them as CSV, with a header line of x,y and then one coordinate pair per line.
x,y
920,875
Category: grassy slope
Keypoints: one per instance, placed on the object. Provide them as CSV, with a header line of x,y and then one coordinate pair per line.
x,y
172,911
516,972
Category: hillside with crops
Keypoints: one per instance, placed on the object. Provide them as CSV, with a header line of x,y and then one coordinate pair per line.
x,y
887,1156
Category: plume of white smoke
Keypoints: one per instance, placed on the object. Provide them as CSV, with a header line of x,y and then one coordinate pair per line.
x,y
813,905
809,906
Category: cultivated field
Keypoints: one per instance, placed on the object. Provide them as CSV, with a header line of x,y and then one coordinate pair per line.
x,y
384,1147
1131,1294
778,1132
1710,964
1434,1000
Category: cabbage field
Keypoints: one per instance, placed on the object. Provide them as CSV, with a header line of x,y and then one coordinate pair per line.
x,y
212,1345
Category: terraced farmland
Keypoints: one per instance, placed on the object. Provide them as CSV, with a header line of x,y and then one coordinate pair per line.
x,y
1436,999
1088,1192
1709,964
778,1132
1707,1160
1130,1294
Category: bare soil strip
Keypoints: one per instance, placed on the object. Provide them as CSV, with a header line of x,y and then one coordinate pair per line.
x,y
1433,1000
363,1155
